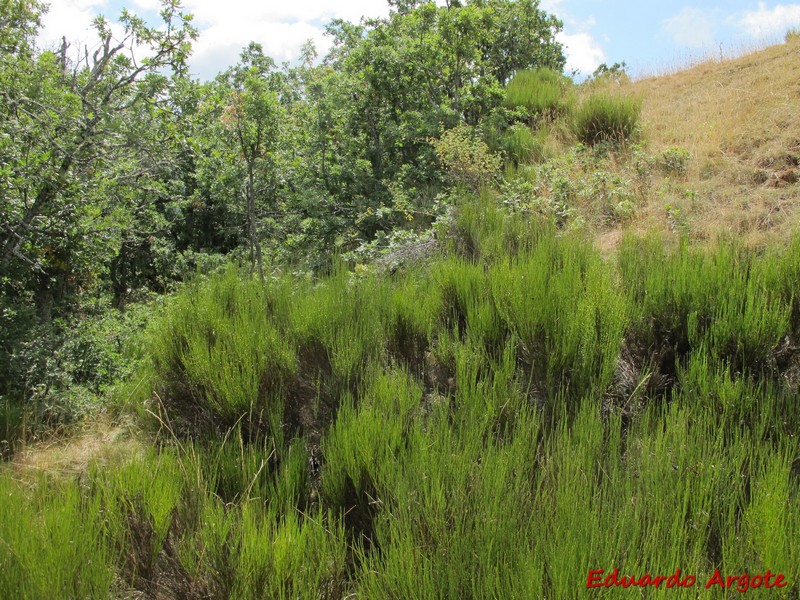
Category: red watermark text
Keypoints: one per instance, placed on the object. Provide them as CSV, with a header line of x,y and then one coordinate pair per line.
x,y
598,578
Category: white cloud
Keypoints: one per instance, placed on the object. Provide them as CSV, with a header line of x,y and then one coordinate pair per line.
x,y
226,26
583,52
280,27
219,46
766,22
148,5
690,28
550,6
71,19
213,12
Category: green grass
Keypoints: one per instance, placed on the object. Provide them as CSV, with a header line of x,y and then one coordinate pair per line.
x,y
493,425
541,92
523,146
53,542
729,302
602,117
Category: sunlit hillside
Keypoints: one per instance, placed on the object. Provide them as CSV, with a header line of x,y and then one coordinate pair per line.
x,y
740,121
427,320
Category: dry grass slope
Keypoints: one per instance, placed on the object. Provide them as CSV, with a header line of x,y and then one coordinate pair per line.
x,y
740,120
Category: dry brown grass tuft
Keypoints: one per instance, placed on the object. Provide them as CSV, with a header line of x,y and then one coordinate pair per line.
x,y
100,441
740,121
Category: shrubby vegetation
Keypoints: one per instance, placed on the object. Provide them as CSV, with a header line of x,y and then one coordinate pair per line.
x,y
121,178
355,310
370,435
542,93
602,118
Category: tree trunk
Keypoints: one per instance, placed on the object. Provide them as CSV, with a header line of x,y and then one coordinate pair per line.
x,y
252,229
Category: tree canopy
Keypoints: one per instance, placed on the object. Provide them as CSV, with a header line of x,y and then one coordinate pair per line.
x,y
120,173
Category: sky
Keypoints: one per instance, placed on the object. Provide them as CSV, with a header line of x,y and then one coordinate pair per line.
x,y
651,37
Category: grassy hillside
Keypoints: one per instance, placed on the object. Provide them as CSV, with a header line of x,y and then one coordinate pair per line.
x,y
739,120
596,366
496,424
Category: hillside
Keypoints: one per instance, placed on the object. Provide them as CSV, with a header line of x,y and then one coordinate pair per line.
x,y
740,121
357,342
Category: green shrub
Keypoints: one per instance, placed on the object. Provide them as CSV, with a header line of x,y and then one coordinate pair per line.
x,y
481,229
541,92
602,117
416,306
520,195
560,303
466,157
289,556
716,302
673,161
521,145
52,541
218,357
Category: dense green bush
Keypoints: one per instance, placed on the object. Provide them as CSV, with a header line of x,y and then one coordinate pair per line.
x,y
522,145
602,117
53,375
217,356
53,542
723,303
542,92
569,319
466,157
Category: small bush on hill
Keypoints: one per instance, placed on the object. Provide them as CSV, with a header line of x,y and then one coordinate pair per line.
x,y
673,161
217,355
521,145
607,118
466,157
541,92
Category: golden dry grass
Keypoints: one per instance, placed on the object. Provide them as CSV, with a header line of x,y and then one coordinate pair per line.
x,y
99,441
740,120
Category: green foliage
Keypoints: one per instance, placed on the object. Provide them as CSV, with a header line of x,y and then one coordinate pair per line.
x,y
673,161
569,320
84,147
602,117
57,374
720,302
250,117
520,195
481,230
466,158
218,357
293,557
155,523
121,175
522,145
481,412
616,73
612,194
53,541
492,423
11,426
541,92
580,184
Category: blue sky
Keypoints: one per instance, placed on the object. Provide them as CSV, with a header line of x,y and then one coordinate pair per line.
x,y
655,36
651,37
